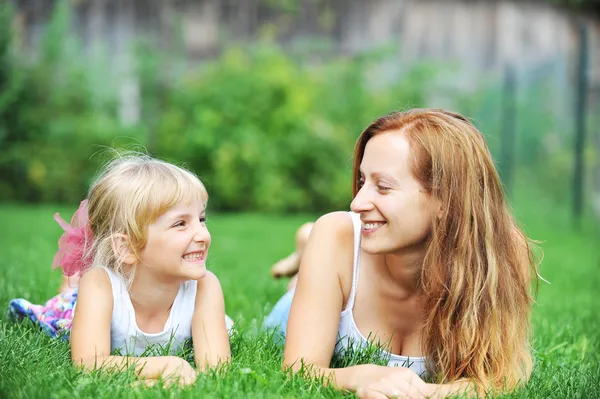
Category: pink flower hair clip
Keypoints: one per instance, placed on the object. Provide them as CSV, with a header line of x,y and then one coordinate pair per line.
x,y
73,256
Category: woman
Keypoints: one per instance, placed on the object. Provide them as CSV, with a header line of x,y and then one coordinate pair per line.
x,y
430,263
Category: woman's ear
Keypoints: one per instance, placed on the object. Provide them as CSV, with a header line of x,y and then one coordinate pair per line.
x,y
436,207
440,209
122,249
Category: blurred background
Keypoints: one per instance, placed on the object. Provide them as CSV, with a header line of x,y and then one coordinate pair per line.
x,y
264,99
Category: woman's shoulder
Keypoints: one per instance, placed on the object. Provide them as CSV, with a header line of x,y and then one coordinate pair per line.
x,y
338,225
332,238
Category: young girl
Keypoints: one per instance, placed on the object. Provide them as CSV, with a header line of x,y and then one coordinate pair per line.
x,y
145,288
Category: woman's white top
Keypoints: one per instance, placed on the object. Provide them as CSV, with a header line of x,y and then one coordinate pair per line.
x,y
126,337
348,333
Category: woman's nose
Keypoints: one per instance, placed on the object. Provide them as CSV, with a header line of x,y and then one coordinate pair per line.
x,y
362,201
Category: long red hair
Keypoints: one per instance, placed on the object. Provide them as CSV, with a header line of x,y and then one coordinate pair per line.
x,y
477,270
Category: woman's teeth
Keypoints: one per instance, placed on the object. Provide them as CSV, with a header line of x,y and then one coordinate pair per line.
x,y
371,226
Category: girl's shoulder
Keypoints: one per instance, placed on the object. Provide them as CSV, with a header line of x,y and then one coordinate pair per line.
x,y
209,281
96,274
208,289
96,279
95,291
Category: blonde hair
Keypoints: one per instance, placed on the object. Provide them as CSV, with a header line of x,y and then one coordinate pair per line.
x,y
129,194
477,269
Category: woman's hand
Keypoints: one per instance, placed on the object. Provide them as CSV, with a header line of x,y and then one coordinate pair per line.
x,y
375,382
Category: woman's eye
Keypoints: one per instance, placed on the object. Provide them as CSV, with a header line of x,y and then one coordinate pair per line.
x,y
361,182
382,188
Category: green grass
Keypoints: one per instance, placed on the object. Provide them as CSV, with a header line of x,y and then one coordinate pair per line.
x,y
566,317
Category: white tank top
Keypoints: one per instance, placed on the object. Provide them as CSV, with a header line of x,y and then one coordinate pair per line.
x,y
126,337
348,331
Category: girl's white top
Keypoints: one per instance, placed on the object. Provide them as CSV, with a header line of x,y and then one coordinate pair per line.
x,y
126,337
348,333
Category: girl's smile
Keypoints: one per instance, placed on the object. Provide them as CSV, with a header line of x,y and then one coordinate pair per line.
x,y
195,257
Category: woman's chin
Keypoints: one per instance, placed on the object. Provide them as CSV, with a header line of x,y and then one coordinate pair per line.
x,y
372,248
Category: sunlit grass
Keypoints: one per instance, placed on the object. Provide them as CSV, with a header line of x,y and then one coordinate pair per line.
x,y
566,318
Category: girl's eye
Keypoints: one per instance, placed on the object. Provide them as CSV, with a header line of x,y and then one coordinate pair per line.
x,y
181,223
203,219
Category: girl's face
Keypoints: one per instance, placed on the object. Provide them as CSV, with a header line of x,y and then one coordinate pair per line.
x,y
178,242
395,211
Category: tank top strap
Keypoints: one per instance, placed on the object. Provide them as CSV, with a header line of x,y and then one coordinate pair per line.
x,y
185,302
357,226
122,308
116,282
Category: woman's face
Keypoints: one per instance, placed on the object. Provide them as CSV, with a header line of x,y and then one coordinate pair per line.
x,y
395,211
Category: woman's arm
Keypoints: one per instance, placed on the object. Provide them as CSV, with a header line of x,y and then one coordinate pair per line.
x,y
90,335
327,267
319,297
209,333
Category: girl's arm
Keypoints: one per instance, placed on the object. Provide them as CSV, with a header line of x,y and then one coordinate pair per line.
x,y
209,333
90,335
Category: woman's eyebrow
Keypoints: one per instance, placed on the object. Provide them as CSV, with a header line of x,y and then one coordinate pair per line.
x,y
391,179
381,175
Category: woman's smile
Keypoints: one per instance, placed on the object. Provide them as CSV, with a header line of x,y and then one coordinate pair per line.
x,y
371,227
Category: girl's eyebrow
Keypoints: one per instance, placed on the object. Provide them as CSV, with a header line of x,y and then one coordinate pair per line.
x,y
180,216
186,215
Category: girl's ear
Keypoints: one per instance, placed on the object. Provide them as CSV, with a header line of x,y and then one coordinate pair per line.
x,y
122,249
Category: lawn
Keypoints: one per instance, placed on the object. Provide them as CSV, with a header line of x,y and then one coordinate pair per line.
x,y
566,317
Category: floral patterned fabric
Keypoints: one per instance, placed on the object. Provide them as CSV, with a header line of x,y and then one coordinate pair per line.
x,y
54,317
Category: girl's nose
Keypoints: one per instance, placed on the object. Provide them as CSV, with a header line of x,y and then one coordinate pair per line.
x,y
201,233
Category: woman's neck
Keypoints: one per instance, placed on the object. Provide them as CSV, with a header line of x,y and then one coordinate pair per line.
x,y
404,269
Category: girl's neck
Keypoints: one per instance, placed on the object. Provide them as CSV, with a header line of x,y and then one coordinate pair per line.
x,y
150,294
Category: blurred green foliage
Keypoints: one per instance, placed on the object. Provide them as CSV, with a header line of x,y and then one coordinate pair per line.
x,y
49,118
542,147
264,129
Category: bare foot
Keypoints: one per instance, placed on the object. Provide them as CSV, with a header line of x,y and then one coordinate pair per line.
x,y
286,267
289,265
68,284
